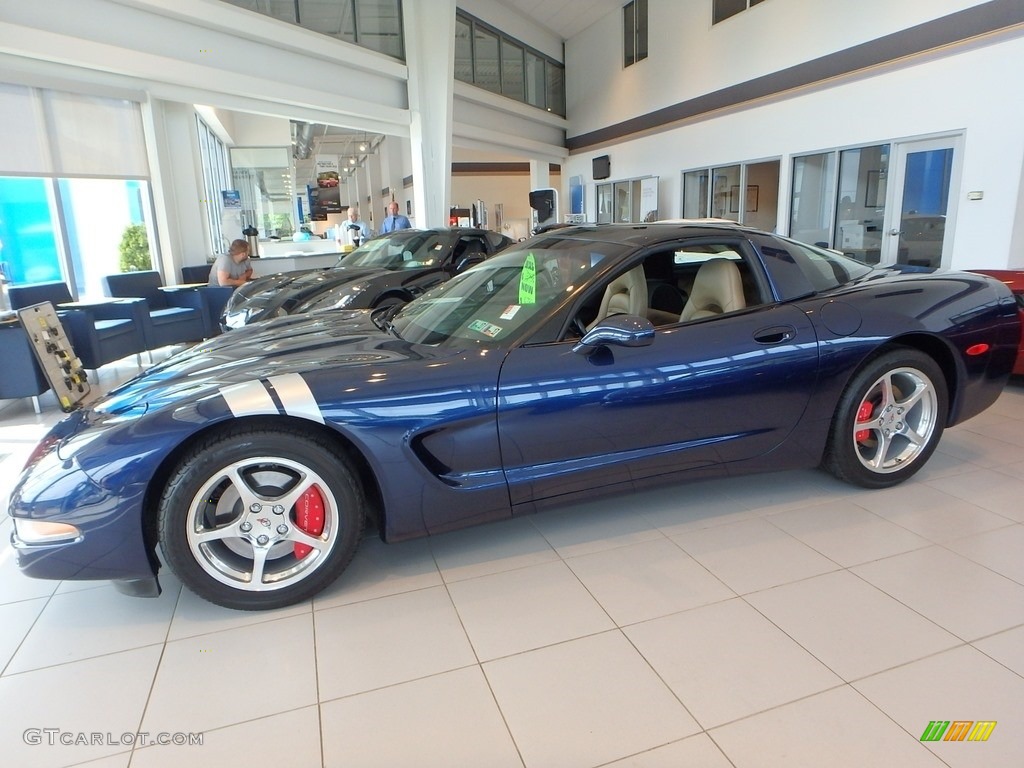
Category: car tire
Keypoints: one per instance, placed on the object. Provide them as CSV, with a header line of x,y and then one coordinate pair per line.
x,y
889,420
257,518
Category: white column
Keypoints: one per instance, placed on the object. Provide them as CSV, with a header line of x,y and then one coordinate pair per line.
x,y
430,55
540,174
177,185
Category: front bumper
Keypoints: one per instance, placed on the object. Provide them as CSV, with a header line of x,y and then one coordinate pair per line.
x,y
109,543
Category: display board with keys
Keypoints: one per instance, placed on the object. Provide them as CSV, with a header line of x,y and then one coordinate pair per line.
x,y
56,356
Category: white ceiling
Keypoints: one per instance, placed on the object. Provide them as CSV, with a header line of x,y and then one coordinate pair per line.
x,y
564,17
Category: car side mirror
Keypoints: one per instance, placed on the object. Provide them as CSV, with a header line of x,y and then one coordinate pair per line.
x,y
617,331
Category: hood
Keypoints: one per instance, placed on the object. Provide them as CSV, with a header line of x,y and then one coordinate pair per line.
x,y
320,344
294,286
280,294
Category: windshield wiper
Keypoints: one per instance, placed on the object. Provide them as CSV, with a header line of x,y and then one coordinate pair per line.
x,y
382,319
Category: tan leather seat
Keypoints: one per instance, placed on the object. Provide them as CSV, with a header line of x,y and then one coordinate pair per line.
x,y
626,294
717,288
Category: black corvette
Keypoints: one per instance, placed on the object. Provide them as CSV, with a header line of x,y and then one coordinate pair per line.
x,y
391,269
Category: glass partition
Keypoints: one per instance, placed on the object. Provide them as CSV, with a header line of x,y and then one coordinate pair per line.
x,y
810,218
263,179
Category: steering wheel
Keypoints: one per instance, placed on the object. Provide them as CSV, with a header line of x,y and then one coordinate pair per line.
x,y
576,326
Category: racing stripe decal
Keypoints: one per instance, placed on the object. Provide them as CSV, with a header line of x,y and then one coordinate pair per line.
x,y
296,397
248,399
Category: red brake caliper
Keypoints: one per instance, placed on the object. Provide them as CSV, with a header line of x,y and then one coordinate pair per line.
x,y
309,516
863,414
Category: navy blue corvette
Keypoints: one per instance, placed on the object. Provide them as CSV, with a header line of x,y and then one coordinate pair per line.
x,y
585,361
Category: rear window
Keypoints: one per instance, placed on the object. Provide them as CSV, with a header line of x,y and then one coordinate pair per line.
x,y
824,269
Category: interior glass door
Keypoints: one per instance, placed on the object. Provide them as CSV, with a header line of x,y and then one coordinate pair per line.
x,y
915,230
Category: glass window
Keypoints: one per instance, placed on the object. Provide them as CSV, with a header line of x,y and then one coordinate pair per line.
x,y
641,30
463,50
863,174
485,60
491,60
216,177
634,32
336,19
825,269
512,70
262,176
98,214
53,226
277,9
535,80
724,9
604,203
813,193
725,187
629,34
373,24
28,239
555,89
758,204
695,194
379,26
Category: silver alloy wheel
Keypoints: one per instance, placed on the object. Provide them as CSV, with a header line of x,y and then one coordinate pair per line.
x,y
241,525
895,420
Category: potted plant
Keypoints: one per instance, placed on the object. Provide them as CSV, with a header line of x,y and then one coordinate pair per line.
x,y
134,249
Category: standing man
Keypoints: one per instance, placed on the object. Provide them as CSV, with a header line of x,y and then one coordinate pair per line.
x,y
355,229
394,220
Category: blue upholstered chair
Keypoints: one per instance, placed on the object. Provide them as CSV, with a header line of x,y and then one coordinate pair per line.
x,y
216,297
100,332
20,374
200,274
173,316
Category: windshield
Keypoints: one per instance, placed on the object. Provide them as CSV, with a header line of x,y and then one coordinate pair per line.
x,y
403,250
489,303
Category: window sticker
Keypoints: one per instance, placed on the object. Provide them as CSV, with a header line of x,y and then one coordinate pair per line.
x,y
528,281
487,329
510,311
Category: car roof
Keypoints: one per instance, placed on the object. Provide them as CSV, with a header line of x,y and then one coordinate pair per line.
x,y
637,234
448,230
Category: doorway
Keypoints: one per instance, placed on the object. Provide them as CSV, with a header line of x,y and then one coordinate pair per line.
x,y
917,210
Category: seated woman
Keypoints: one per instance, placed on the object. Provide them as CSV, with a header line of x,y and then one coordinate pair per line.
x,y
233,267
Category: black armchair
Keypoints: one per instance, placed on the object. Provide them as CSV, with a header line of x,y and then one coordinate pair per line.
x,y
173,316
100,332
20,374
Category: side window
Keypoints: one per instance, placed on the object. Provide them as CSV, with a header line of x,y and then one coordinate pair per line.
x,y
677,284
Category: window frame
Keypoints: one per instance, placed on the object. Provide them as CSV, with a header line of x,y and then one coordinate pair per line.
x,y
549,100
634,32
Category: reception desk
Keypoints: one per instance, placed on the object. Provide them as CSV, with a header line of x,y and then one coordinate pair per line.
x,y
286,256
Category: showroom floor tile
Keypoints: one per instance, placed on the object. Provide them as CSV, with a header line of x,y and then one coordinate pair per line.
x,y
779,620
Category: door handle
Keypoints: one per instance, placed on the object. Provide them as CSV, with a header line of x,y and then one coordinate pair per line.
x,y
775,335
895,232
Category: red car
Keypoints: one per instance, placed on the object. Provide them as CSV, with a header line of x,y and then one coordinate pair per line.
x,y
1014,279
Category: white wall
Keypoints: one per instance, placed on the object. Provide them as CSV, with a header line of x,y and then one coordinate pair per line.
x,y
956,93
689,56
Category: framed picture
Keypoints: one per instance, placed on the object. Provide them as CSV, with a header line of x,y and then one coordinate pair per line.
x,y
734,199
